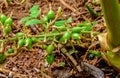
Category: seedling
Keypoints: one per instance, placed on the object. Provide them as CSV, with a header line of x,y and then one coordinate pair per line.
x,y
92,12
54,32
93,53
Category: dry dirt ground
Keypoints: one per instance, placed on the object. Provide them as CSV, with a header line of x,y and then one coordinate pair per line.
x,y
32,64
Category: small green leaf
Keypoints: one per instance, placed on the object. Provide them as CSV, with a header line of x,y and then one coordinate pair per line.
x,y
62,28
72,51
94,23
2,57
76,36
35,14
66,37
83,24
50,58
32,22
44,19
95,53
92,12
34,11
21,43
20,34
28,41
55,31
8,22
7,30
60,23
34,39
88,28
50,48
10,50
25,19
69,20
76,29
34,8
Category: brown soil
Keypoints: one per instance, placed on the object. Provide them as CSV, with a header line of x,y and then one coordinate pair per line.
x,y
32,64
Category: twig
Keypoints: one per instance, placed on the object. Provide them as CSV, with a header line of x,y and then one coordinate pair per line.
x,y
72,59
85,56
69,7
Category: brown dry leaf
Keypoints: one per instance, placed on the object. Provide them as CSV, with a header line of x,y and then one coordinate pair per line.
x,y
116,49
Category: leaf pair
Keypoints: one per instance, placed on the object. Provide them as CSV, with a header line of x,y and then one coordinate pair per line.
x,y
32,18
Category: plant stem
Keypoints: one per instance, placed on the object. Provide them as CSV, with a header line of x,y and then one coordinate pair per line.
x,y
47,35
111,11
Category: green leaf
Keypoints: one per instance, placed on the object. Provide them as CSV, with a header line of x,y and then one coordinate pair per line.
x,y
96,53
34,8
25,19
10,50
34,11
88,28
32,22
35,14
84,23
94,23
2,57
60,23
50,48
69,20
50,58
72,51
19,34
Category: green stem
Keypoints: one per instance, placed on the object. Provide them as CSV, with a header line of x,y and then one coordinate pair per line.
x,y
47,35
111,11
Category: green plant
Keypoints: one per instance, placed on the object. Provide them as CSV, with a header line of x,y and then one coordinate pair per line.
x,y
6,24
92,12
53,33
111,11
93,53
31,19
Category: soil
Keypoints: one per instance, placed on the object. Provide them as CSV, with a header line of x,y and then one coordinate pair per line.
x,y
32,64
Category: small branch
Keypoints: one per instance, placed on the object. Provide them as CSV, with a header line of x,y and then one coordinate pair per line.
x,y
64,51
